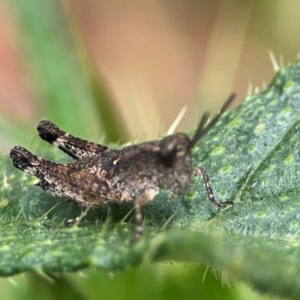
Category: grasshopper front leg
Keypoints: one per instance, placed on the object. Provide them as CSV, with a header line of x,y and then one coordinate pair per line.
x,y
200,171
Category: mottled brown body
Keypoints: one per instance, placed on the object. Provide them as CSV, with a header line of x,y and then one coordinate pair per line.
x,y
100,174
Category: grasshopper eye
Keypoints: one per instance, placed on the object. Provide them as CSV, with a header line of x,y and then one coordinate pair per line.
x,y
167,153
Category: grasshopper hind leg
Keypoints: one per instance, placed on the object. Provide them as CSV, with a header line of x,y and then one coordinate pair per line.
x,y
73,146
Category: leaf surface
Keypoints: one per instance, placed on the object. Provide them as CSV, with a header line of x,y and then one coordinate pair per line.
x,y
252,157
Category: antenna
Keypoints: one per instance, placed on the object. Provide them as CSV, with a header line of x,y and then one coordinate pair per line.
x,y
201,130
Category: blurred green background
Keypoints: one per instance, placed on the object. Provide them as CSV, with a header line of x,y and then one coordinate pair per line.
x,y
117,71
123,70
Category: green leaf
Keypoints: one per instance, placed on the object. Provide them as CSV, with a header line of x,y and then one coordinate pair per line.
x,y
167,281
252,156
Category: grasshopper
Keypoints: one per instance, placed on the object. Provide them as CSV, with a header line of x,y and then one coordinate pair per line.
x,y
100,175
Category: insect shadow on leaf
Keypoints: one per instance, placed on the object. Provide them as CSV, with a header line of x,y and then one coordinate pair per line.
x,y
100,175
